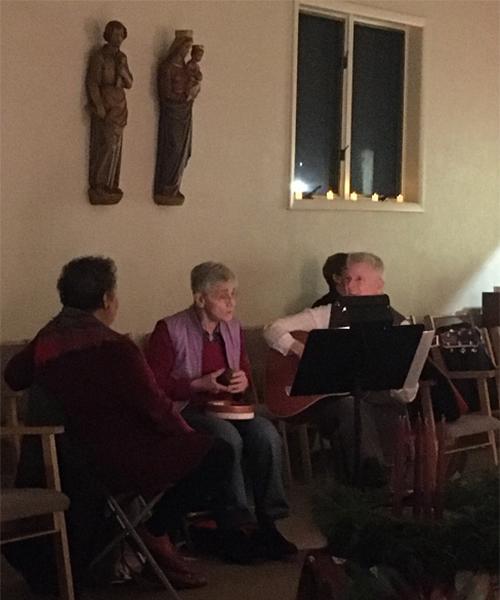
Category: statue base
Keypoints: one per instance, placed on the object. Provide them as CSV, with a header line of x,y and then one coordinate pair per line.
x,y
169,200
101,196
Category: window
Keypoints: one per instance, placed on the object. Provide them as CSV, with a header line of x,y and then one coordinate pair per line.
x,y
357,113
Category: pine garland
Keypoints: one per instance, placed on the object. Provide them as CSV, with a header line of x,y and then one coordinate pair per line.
x,y
358,526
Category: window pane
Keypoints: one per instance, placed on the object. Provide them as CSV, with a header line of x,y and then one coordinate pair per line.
x,y
319,102
377,110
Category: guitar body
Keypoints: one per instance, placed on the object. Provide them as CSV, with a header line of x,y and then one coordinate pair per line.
x,y
280,373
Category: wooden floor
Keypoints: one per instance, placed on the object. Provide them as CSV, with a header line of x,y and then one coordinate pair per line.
x,y
266,581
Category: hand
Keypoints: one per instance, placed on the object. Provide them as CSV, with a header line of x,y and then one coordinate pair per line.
x,y
238,383
208,383
297,348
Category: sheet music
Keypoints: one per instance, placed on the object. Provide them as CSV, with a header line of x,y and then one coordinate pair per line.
x,y
418,360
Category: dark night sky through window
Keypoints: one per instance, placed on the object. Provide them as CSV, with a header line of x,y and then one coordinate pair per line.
x,y
319,102
377,106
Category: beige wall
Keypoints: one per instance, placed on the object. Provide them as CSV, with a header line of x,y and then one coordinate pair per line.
x,y
237,181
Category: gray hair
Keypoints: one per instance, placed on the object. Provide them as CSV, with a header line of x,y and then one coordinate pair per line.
x,y
365,257
207,274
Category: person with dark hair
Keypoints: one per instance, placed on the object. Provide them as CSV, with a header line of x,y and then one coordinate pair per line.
x,y
189,353
130,434
363,276
107,78
84,282
333,271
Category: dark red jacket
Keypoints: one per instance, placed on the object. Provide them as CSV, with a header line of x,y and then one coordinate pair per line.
x,y
111,403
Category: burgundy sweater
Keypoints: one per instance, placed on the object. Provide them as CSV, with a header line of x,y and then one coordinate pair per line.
x,y
160,354
111,402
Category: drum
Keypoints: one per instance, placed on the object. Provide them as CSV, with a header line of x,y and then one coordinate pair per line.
x,y
234,411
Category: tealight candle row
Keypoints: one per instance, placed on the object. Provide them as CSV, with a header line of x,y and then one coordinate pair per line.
x,y
330,195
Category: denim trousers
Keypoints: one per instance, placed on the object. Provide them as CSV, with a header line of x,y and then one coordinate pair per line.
x,y
257,450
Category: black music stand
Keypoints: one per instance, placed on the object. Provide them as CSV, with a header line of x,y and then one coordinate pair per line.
x,y
371,355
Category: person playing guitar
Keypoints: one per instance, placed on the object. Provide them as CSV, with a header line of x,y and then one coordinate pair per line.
x,y
333,415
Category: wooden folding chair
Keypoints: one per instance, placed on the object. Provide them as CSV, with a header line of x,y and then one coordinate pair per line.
x,y
34,512
476,429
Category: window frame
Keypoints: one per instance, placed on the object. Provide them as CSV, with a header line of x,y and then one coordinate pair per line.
x,y
375,17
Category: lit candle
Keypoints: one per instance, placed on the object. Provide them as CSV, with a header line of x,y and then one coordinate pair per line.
x,y
298,195
353,196
375,197
399,198
329,195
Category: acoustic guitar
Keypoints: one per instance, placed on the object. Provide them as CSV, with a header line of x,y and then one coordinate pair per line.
x,y
280,373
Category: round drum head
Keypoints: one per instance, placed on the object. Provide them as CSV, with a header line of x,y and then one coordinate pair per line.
x,y
234,411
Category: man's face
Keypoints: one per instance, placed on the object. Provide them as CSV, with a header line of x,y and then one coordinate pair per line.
x,y
361,279
219,301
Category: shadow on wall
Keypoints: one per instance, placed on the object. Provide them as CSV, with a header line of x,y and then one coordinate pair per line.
x,y
463,289
307,286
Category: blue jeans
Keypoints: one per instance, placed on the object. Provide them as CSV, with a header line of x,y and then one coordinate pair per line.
x,y
258,446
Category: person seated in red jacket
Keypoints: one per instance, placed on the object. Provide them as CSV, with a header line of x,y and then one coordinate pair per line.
x,y
131,434
188,352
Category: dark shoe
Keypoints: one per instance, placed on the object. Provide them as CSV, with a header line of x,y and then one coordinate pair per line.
x,y
239,547
204,537
274,546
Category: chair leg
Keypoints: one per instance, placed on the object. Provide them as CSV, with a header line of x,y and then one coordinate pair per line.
x,y
286,453
305,452
139,518
172,594
484,399
493,443
63,562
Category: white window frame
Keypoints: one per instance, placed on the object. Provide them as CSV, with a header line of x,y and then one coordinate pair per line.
x,y
351,14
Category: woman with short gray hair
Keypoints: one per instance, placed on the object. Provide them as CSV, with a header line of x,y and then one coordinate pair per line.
x,y
190,353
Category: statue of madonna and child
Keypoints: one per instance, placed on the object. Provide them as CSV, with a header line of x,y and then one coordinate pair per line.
x,y
179,82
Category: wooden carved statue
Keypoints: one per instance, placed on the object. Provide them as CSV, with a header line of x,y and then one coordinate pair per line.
x,y
107,78
178,85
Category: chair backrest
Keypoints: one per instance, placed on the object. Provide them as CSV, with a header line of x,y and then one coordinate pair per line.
x,y
435,321
463,352
140,339
31,513
13,409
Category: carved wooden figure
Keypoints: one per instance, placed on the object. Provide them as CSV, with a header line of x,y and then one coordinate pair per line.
x,y
107,78
178,85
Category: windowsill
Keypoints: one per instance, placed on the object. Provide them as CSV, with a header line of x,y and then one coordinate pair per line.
x,y
361,204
